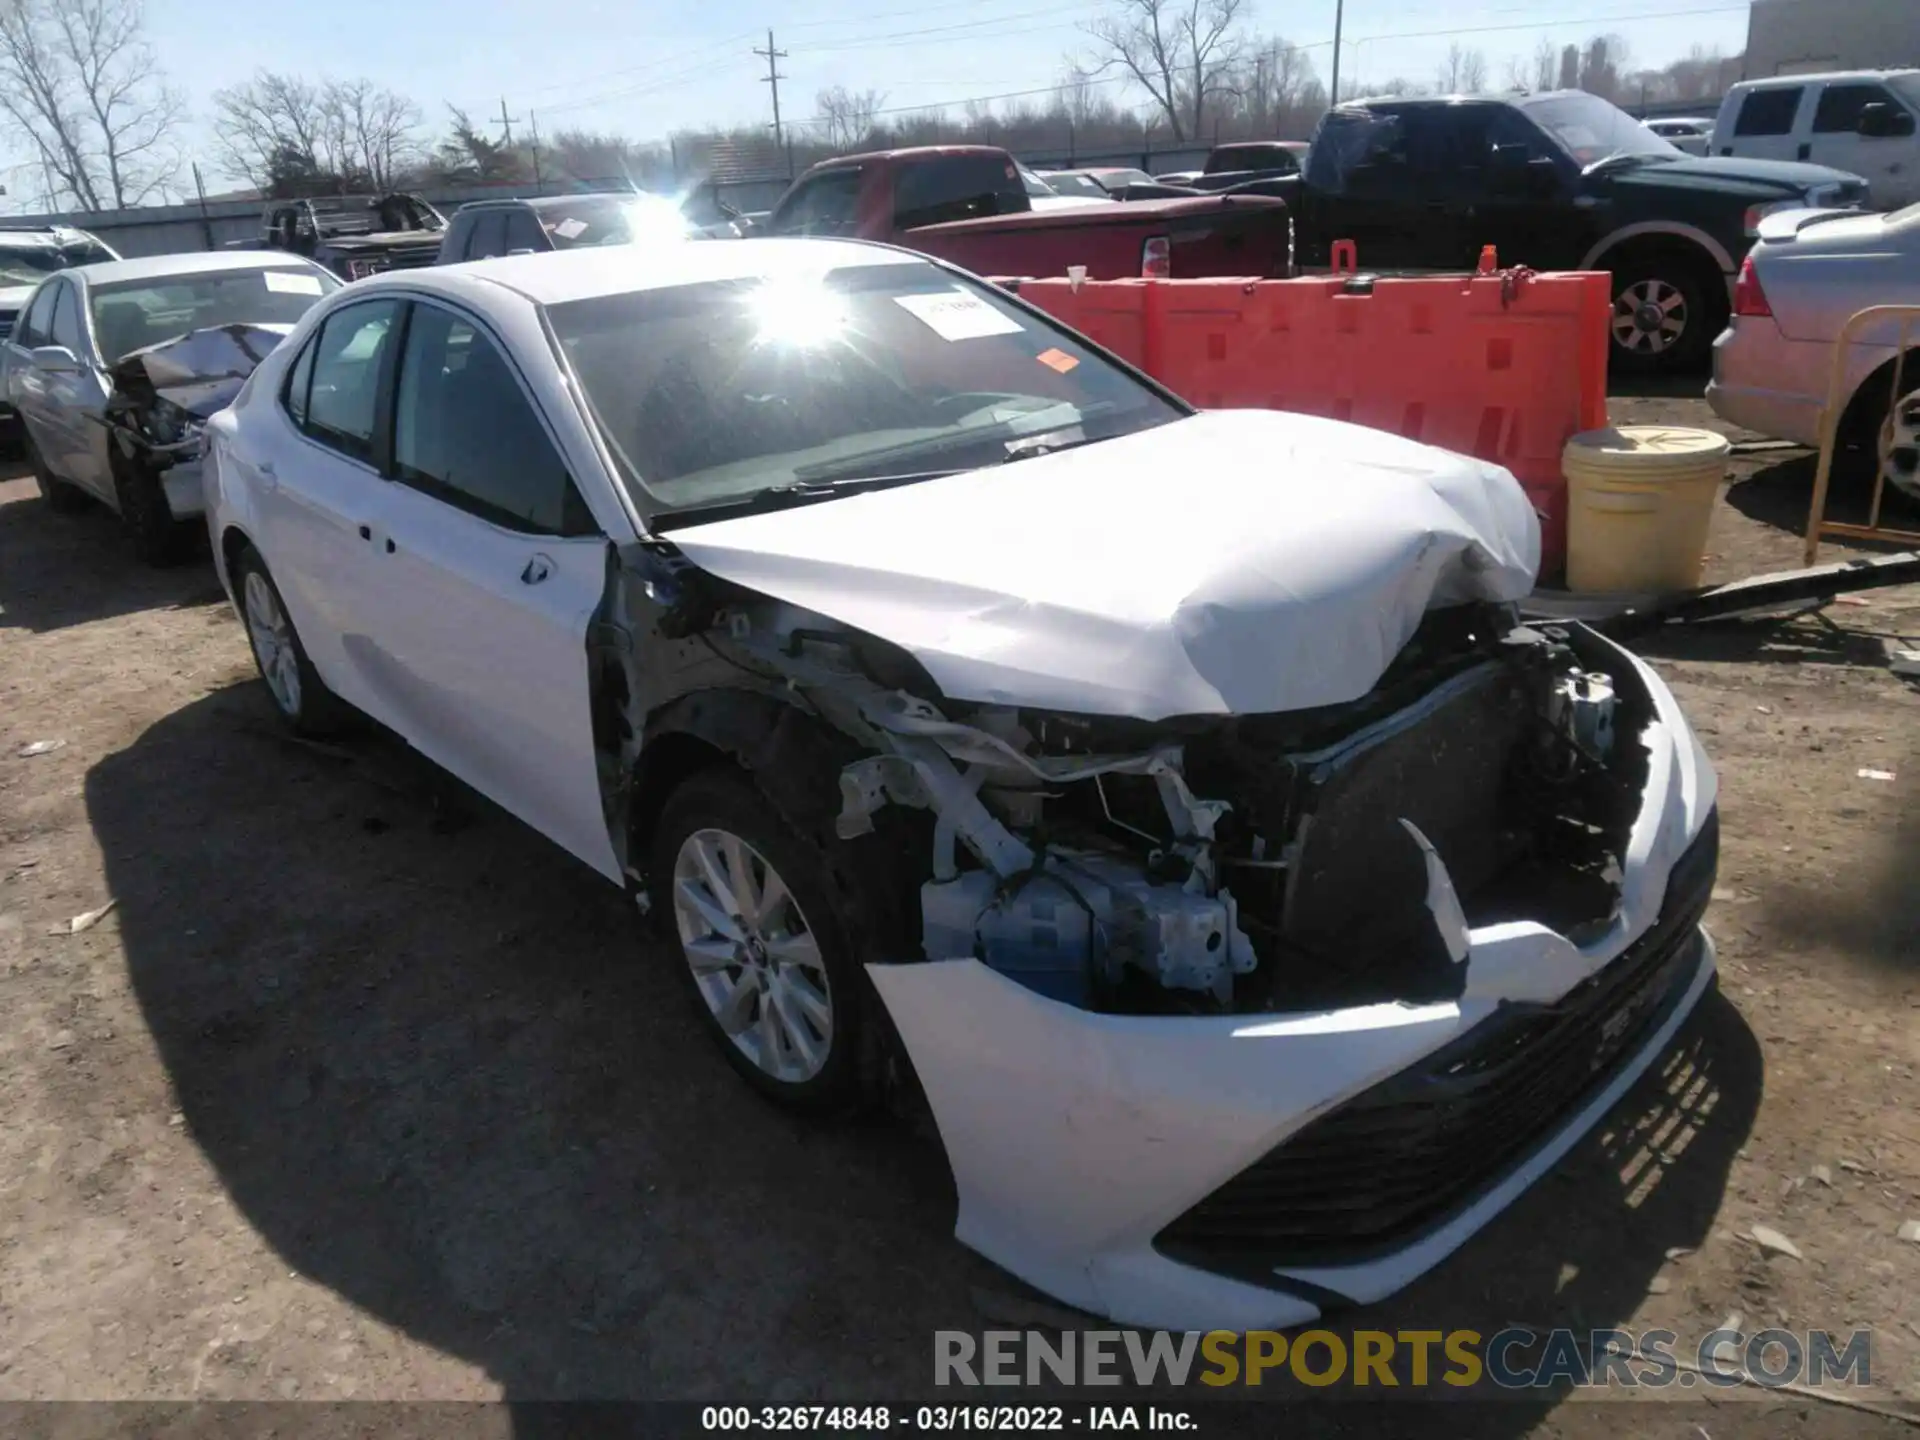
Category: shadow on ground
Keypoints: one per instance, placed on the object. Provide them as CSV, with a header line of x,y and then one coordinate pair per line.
x,y
433,1069
1781,494
60,570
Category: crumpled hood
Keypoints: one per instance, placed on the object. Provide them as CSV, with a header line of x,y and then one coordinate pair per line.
x,y
1236,562
200,371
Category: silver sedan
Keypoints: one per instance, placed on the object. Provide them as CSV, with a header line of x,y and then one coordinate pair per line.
x,y
115,367
1809,272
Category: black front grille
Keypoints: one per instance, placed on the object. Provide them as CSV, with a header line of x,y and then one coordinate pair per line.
x,y
1376,1172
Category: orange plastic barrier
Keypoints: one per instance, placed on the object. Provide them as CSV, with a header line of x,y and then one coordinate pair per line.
x,y
1501,366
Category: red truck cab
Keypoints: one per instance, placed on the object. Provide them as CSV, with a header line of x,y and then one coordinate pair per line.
x,y
967,204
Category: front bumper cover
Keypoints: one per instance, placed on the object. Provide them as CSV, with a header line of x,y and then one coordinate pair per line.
x,y
1076,1138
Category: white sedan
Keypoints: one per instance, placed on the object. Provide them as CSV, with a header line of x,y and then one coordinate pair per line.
x,y
1174,798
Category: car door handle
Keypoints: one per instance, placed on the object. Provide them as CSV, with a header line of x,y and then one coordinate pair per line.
x,y
538,569
366,532
1806,150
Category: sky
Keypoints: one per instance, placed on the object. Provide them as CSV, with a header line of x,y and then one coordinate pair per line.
x,y
645,69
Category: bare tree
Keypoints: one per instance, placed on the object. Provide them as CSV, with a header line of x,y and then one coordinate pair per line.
x,y
1569,78
1181,52
846,117
1546,64
1602,64
79,85
1276,89
284,134
1463,72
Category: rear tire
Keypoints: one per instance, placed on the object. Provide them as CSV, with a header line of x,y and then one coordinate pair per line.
x,y
1666,313
57,495
304,703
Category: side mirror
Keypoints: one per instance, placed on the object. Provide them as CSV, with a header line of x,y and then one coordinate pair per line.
x,y
56,360
1881,121
1510,159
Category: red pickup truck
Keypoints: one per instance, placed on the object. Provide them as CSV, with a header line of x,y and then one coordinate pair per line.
x,y
969,204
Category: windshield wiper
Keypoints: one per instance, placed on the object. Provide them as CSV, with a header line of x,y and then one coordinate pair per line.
x,y
1623,158
790,493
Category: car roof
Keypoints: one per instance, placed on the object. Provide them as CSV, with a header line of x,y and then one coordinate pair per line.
x,y
167,267
43,237
545,202
565,275
1777,82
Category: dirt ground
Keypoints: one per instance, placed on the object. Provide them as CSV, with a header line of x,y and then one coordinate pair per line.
x,y
364,1091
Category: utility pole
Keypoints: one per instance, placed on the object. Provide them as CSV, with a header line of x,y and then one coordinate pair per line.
x,y
507,122
533,124
774,77
1339,14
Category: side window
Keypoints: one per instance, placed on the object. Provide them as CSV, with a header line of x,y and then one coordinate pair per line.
x,y
826,205
1840,107
933,192
343,395
66,323
1768,112
464,431
299,379
38,319
524,232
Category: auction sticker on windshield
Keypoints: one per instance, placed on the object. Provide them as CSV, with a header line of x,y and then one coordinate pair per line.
x,y
289,282
956,315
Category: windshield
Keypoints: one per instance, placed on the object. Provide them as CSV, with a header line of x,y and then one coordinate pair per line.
x,y
30,265
134,314
1035,186
712,395
577,224
1591,130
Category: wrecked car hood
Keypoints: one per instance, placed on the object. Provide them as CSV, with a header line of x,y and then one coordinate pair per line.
x,y
200,371
1241,561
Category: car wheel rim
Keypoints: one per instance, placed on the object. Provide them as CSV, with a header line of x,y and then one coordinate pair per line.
x,y
755,959
1649,317
272,638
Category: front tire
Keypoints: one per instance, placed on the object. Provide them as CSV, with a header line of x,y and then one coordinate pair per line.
x,y
761,940
56,494
305,704
1664,315
158,538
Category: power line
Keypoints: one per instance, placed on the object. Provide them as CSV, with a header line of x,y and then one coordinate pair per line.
x,y
774,77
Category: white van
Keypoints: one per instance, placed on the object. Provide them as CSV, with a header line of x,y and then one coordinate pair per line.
x,y
1865,121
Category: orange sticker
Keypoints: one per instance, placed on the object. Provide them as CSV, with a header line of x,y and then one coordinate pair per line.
x,y
1057,360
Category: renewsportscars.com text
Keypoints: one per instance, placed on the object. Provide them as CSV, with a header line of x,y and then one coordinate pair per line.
x,y
1515,1358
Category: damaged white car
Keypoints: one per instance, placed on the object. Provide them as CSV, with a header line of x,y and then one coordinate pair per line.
x,y
1175,799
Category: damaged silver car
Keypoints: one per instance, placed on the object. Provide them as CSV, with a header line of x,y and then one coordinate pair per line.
x,y
1175,801
115,367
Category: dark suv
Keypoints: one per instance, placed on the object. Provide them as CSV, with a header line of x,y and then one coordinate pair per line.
x,y
484,228
1560,181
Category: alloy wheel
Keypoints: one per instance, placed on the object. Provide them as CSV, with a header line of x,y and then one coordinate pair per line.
x,y
1649,317
754,957
271,634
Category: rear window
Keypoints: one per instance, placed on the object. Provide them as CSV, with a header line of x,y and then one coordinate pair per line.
x,y
1768,112
956,187
1227,158
610,220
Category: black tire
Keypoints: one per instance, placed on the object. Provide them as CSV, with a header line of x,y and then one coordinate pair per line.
x,y
724,799
57,495
158,538
1665,287
311,708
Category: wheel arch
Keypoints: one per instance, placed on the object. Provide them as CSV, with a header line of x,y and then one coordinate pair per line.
x,y
1651,235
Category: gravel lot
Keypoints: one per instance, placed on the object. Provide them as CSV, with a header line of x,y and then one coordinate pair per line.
x,y
362,1090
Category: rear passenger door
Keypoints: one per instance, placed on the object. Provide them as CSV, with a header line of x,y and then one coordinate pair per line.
x,y
1763,125
492,568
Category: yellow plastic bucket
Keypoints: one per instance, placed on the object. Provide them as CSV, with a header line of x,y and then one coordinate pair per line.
x,y
1639,500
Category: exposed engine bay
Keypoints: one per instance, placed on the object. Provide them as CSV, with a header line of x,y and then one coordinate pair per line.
x,y
163,394
1227,864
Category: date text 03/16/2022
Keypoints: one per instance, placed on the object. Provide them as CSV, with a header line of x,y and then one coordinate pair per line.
x,y
941,1419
